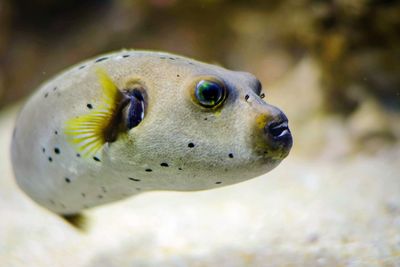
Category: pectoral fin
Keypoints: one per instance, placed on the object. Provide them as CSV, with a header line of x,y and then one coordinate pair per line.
x,y
88,132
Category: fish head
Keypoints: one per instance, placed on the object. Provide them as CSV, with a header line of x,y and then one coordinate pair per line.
x,y
202,126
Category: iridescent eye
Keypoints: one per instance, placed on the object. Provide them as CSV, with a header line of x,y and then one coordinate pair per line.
x,y
209,93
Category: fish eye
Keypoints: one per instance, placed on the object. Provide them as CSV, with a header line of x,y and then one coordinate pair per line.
x,y
210,93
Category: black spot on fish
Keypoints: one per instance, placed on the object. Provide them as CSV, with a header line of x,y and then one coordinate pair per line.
x,y
148,170
96,159
67,180
133,179
83,194
164,164
246,97
81,67
50,159
178,75
57,150
190,145
218,182
180,168
230,155
56,132
262,95
43,150
124,56
46,95
171,58
55,88
101,59
89,106
78,155
205,118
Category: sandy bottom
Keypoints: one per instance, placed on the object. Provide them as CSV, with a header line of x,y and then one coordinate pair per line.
x,y
304,213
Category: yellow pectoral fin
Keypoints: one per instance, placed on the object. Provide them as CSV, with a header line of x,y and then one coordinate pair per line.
x,y
87,132
111,94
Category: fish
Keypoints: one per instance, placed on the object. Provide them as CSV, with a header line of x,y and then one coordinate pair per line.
x,y
134,121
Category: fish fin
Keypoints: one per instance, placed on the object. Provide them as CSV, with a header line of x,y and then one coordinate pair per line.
x,y
87,132
77,220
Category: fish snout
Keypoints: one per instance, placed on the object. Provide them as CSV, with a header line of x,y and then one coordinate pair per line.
x,y
276,136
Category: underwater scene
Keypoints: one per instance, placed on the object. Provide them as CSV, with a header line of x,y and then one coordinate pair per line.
x,y
202,133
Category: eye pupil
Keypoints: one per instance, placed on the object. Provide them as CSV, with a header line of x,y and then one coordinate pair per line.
x,y
209,93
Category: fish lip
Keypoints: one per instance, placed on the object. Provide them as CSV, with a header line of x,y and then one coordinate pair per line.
x,y
279,132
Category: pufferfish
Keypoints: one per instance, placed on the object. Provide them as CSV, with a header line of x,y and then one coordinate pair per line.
x,y
136,121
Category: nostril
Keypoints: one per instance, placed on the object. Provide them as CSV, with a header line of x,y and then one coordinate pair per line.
x,y
278,130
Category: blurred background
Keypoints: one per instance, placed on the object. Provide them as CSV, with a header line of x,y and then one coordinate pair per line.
x,y
332,66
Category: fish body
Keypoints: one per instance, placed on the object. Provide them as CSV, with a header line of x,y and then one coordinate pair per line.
x,y
135,121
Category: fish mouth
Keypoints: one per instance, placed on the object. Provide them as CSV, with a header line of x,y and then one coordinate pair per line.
x,y
279,133
279,130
